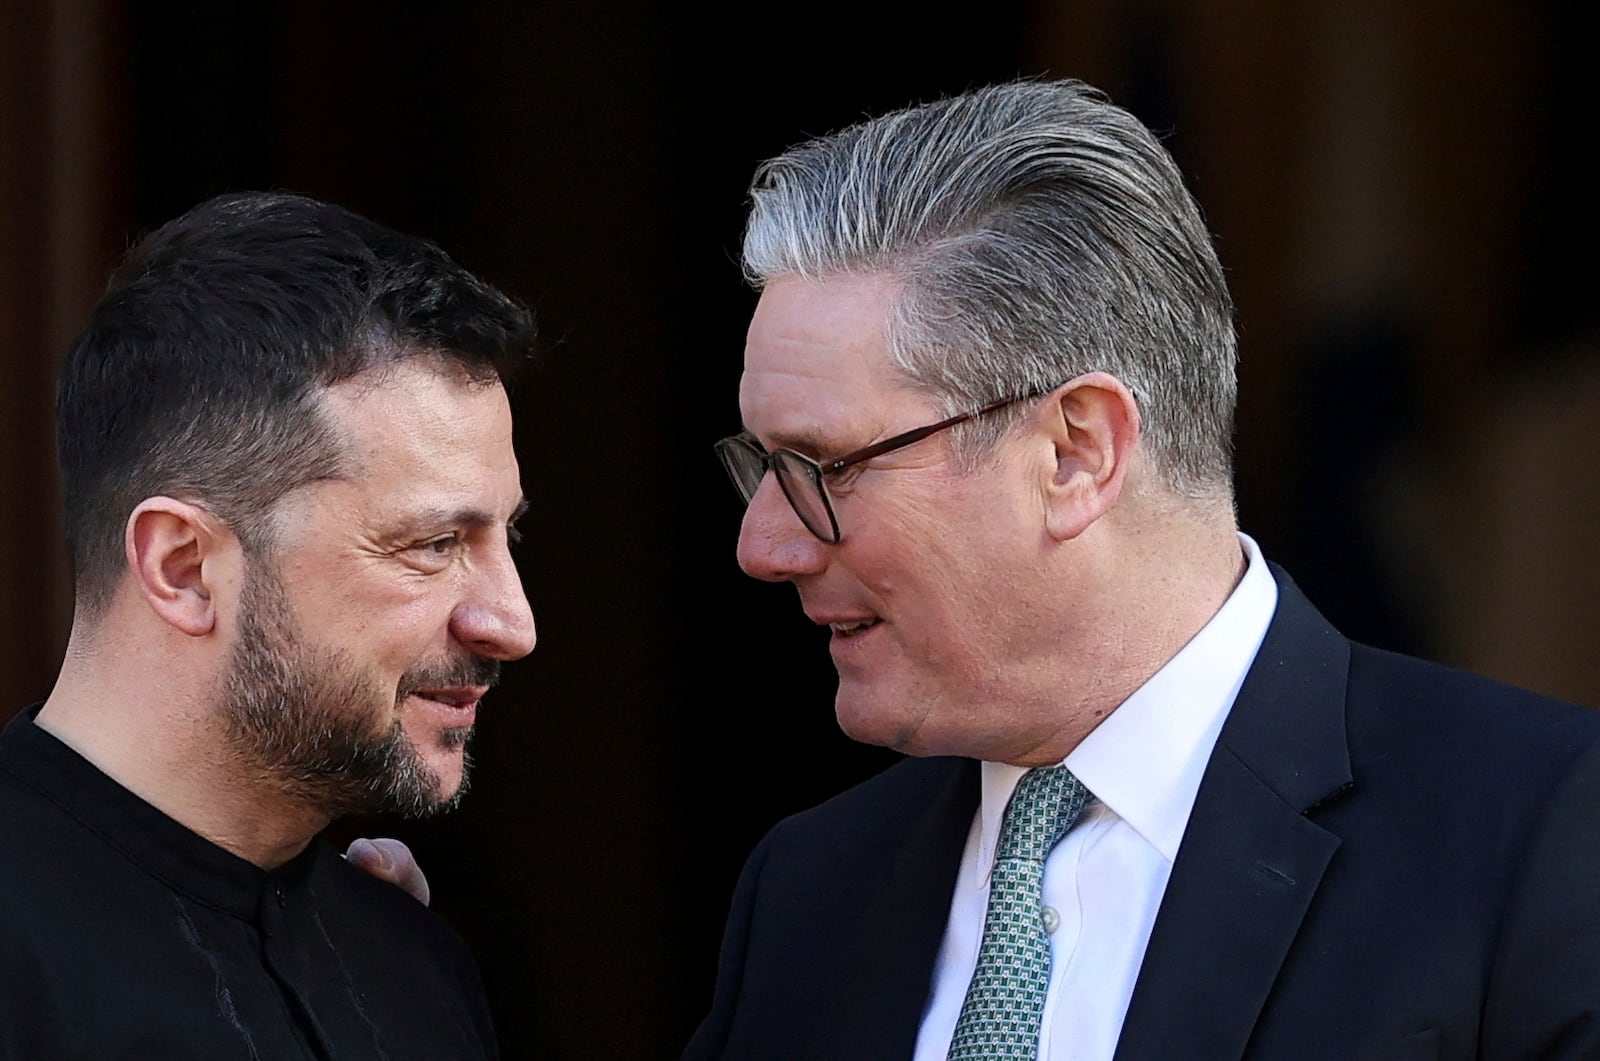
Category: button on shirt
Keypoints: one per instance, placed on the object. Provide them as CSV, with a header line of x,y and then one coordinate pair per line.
x,y
1104,881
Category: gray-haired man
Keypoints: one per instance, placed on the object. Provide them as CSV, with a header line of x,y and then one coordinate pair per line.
x,y
988,394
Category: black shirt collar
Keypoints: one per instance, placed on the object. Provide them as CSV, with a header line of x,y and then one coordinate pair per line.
x,y
185,861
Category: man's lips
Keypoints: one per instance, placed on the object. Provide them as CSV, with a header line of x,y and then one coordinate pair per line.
x,y
459,697
846,625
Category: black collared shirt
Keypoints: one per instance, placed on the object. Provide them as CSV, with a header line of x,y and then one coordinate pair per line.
x,y
123,935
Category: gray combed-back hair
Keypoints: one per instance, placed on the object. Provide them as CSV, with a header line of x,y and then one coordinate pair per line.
x,y
1038,232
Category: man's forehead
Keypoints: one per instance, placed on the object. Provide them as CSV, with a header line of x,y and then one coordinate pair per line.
x,y
797,311
411,425
421,372
415,394
817,361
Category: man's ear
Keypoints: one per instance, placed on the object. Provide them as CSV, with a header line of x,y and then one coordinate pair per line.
x,y
1093,423
172,547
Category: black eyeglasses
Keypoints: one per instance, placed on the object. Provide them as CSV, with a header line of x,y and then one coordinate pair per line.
x,y
803,480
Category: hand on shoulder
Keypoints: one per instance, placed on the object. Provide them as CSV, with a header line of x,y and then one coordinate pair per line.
x,y
390,860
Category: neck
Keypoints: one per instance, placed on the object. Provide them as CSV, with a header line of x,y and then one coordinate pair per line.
x,y
1141,594
161,739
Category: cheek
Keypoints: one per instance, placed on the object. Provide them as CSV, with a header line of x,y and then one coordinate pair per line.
x,y
396,636
904,543
946,547
958,594
421,629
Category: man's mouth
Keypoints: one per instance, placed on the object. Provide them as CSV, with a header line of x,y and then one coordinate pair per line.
x,y
452,698
455,684
852,628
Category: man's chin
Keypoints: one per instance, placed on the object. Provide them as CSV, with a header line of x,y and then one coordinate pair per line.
x,y
868,721
442,776
396,775
449,772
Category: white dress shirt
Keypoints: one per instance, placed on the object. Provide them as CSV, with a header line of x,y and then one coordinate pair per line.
x,y
1104,881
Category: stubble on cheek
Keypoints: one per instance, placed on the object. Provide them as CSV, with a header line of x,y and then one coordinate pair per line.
x,y
315,727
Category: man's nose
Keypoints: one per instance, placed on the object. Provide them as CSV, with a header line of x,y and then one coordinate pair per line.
x,y
495,619
773,544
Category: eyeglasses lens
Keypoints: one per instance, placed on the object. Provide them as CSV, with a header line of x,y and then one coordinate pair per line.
x,y
744,465
804,491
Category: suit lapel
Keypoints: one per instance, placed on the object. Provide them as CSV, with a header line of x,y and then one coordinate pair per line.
x,y
1250,861
906,906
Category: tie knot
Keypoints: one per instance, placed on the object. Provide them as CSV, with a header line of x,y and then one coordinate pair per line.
x,y
1045,805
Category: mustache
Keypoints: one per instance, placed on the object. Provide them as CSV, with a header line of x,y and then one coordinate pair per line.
x,y
469,670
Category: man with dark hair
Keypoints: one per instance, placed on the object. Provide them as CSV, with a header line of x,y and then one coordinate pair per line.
x,y
290,489
1155,806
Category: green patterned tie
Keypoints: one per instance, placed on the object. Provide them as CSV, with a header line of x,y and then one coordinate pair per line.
x,y
1005,1000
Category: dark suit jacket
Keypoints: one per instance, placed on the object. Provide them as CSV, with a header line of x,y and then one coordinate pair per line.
x,y
1387,859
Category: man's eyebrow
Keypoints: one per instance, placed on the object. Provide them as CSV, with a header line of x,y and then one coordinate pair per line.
x,y
465,516
806,441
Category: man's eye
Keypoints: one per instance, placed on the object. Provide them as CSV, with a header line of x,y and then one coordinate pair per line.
x,y
442,546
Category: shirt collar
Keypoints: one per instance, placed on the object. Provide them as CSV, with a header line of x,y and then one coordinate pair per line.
x,y
1145,760
163,848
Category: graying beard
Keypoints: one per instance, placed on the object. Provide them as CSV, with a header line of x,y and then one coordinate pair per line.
x,y
297,730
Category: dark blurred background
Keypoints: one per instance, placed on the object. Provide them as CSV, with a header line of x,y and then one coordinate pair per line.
x,y
1398,194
